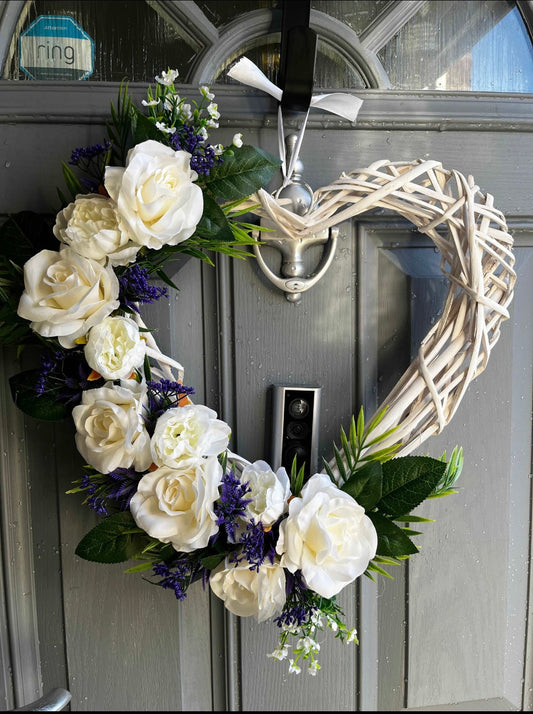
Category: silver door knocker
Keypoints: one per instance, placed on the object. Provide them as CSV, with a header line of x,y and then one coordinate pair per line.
x,y
297,196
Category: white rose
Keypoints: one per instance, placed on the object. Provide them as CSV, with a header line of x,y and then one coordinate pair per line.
x,y
90,226
110,427
176,505
247,592
155,195
191,431
327,536
66,294
269,492
115,348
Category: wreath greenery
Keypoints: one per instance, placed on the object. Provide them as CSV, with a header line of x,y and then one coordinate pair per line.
x,y
159,471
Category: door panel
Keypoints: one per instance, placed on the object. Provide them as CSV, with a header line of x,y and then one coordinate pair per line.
x,y
450,630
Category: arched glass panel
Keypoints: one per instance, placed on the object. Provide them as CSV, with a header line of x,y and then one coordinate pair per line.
x,y
131,40
479,45
461,46
331,69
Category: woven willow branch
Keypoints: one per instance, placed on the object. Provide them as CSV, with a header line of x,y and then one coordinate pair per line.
x,y
476,256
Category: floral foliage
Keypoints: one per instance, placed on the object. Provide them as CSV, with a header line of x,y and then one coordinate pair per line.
x,y
158,468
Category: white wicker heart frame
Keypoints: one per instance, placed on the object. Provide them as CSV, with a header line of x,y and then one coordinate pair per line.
x,y
476,256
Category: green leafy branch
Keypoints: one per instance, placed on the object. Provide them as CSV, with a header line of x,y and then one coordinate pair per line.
x,y
390,487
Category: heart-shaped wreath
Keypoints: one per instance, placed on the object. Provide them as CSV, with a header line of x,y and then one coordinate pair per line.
x,y
271,544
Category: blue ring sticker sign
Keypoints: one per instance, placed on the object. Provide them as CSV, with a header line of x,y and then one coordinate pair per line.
x,y
56,47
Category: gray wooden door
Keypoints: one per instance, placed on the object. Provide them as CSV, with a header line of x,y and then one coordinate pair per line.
x,y
450,631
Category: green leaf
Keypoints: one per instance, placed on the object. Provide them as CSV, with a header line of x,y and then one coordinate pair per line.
x,y
240,175
144,129
114,540
210,562
140,568
40,406
365,485
24,234
407,481
214,223
73,183
297,477
392,541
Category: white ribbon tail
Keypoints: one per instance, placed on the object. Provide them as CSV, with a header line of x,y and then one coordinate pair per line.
x,y
344,105
247,72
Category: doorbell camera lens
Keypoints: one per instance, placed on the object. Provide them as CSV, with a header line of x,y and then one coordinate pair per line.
x,y
297,430
298,408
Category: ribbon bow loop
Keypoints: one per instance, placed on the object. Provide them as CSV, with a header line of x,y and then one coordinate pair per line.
x,y
344,105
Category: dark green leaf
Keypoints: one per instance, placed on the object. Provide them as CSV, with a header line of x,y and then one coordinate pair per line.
x,y
392,541
114,540
72,181
210,562
24,234
40,406
365,485
144,129
240,175
214,223
407,481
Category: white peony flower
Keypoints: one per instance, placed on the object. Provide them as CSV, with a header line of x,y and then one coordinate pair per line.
x,y
157,201
327,536
110,430
191,431
176,505
90,226
66,294
247,592
115,348
269,492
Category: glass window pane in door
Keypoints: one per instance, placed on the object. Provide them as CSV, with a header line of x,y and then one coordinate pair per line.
x,y
132,41
461,46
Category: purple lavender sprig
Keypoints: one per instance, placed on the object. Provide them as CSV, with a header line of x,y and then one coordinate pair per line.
x,y
179,575
134,288
92,160
108,492
164,395
65,375
231,504
203,156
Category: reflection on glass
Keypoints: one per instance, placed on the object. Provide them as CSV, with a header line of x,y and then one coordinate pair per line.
x,y
132,41
479,45
331,69
461,46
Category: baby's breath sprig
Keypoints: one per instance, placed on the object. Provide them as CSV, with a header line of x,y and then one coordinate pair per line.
x,y
185,125
304,616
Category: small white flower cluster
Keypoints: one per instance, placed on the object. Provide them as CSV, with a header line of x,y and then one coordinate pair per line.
x,y
307,645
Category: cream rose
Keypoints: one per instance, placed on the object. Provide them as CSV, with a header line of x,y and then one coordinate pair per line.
x,y
66,294
156,198
176,505
247,592
327,536
90,226
115,348
269,492
110,430
191,431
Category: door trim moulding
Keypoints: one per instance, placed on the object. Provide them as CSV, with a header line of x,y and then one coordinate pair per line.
x,y
385,110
